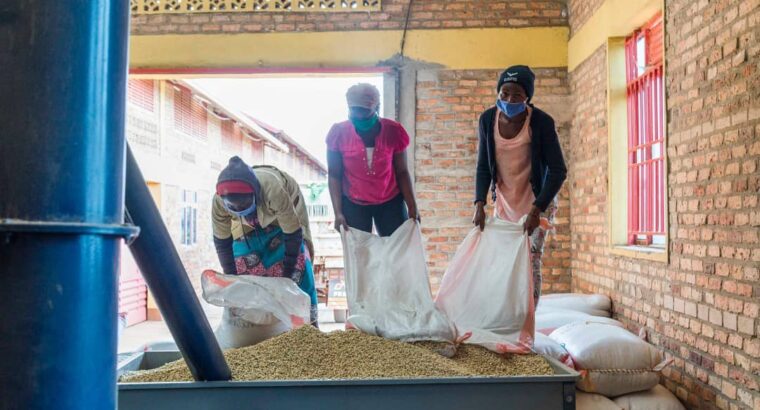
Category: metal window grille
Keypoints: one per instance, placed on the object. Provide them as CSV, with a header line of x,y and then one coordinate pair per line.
x,y
141,94
232,137
317,210
189,115
646,134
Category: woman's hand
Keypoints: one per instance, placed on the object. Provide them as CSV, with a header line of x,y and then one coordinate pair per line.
x,y
533,221
414,214
479,219
340,220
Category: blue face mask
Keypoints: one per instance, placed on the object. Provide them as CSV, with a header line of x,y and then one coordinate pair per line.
x,y
246,212
511,109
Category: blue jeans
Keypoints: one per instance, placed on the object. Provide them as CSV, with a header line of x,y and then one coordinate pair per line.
x,y
387,216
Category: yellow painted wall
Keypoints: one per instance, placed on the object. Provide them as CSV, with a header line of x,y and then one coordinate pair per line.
x,y
614,18
455,49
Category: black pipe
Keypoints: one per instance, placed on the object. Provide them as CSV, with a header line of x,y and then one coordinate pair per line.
x,y
166,277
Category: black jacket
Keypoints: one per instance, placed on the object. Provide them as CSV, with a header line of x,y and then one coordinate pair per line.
x,y
548,166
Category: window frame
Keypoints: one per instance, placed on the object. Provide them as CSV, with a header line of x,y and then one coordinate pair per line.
x,y
646,135
617,165
185,111
188,217
137,94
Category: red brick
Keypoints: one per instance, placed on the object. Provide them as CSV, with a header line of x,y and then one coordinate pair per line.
x,y
436,13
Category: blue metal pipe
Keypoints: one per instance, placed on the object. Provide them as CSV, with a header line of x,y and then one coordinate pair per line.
x,y
63,68
162,269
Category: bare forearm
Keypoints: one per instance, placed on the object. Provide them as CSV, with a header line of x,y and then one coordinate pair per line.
x,y
335,186
335,180
407,191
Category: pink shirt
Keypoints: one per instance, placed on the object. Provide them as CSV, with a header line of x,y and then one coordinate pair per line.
x,y
514,194
365,183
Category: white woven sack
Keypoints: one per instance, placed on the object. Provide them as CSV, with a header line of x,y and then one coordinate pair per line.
x,y
387,286
595,305
591,401
592,304
657,398
234,331
487,290
548,320
256,308
612,360
546,346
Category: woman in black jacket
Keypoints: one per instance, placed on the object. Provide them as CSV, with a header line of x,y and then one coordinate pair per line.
x,y
520,161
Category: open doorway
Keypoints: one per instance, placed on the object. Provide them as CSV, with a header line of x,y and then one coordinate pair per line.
x,y
184,127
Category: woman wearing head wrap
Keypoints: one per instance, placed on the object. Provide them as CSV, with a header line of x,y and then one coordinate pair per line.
x,y
261,226
520,160
368,176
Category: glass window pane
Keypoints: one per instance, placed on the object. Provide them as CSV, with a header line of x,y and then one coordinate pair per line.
x,y
182,227
656,151
641,64
195,225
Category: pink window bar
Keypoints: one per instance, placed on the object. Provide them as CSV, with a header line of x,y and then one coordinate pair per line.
x,y
646,134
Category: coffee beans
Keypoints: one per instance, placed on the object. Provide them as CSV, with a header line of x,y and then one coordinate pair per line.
x,y
307,353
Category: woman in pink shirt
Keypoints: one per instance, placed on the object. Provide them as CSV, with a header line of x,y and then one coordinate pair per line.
x,y
368,175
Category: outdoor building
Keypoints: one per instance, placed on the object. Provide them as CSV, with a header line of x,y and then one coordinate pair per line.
x,y
182,138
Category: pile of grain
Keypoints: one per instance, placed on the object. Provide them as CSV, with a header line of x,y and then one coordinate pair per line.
x,y
307,353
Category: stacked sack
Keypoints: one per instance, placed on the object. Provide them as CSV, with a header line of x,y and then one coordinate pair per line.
x,y
619,370
557,310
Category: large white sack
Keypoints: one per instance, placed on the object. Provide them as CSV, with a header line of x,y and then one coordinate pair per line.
x,y
258,299
657,398
234,331
548,320
256,308
591,401
487,291
387,286
612,360
546,346
595,305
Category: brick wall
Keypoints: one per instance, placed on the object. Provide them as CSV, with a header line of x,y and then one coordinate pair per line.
x,y
579,11
702,306
449,104
428,14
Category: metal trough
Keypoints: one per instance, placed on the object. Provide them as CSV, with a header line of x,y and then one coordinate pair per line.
x,y
536,392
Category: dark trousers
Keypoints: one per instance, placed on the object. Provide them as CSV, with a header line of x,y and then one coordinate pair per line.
x,y
387,216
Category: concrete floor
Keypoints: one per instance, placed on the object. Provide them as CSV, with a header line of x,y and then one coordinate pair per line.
x,y
137,336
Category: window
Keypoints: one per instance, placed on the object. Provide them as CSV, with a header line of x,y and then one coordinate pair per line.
x,y
317,210
646,135
232,138
188,231
189,115
141,93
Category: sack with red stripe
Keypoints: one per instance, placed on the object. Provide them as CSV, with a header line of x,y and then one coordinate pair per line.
x,y
612,361
487,291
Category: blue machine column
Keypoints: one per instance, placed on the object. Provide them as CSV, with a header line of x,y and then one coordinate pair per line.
x,y
63,68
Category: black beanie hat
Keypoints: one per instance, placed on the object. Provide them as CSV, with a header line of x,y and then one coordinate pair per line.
x,y
238,170
520,74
